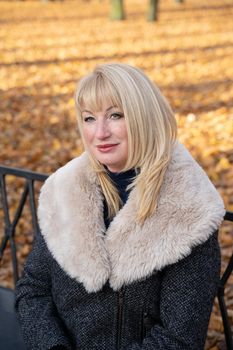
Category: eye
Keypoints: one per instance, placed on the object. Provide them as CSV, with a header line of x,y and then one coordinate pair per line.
x,y
88,119
116,116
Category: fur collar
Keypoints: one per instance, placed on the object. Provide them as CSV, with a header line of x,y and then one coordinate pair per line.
x,y
71,219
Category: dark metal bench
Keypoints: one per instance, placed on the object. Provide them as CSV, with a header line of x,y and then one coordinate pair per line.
x,y
10,338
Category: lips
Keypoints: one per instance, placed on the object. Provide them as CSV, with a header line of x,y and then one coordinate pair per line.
x,y
106,147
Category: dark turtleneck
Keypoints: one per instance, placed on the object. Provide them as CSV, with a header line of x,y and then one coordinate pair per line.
x,y
121,181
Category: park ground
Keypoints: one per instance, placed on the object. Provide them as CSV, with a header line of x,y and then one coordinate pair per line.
x,y
45,47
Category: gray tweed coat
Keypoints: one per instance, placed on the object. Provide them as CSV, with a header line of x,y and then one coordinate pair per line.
x,y
131,286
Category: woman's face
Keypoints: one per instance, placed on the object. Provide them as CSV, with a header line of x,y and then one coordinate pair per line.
x,y
106,136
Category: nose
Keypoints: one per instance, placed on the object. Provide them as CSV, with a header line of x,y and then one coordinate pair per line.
x,y
102,130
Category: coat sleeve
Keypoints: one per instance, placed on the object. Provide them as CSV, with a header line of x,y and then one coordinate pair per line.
x,y
41,327
187,295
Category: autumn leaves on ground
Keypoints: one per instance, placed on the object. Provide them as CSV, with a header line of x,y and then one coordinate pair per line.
x,y
45,47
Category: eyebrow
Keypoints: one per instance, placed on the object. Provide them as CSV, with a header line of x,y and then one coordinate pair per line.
x,y
107,110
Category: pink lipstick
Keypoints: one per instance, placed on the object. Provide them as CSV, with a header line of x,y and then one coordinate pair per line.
x,y
106,147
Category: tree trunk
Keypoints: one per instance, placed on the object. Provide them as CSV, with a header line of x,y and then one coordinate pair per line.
x,y
117,10
153,11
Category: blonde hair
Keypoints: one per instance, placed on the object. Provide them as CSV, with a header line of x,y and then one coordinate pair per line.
x,y
151,128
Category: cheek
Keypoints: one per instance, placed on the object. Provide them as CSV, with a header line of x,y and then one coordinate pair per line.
x,y
121,131
124,134
87,135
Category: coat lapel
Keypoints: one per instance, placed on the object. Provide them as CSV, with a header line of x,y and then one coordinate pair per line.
x,y
71,219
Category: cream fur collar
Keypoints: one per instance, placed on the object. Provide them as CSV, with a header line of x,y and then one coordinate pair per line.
x,y
71,219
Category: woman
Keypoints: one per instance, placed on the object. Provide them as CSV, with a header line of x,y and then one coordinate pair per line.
x,y
128,256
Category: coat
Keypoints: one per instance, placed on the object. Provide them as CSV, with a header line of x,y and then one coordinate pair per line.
x,y
130,286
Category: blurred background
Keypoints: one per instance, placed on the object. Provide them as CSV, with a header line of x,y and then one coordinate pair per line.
x,y
47,46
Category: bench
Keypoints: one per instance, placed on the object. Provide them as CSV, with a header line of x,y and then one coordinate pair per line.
x,y
10,338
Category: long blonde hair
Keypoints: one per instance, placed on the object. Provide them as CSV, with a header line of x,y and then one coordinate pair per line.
x,y
150,124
